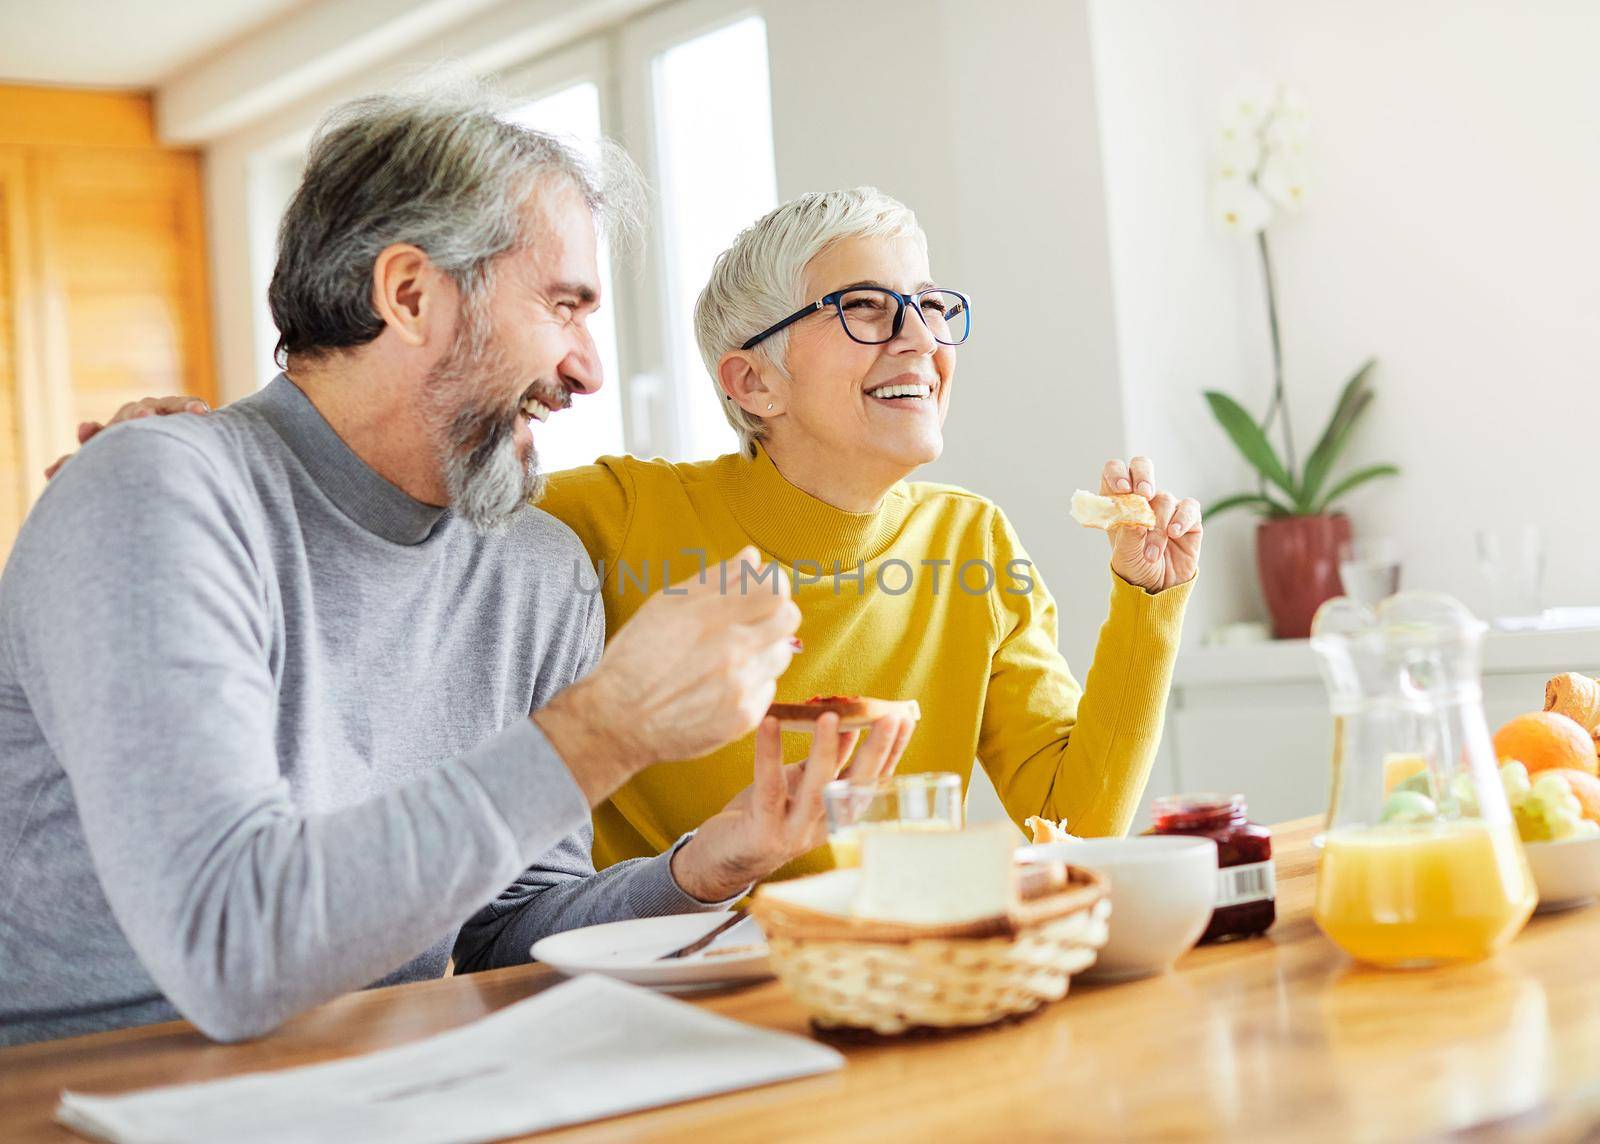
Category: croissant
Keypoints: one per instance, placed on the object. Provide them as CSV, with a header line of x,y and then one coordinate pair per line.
x,y
1578,698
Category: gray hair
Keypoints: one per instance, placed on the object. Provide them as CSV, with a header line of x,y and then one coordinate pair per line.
x,y
757,282
440,170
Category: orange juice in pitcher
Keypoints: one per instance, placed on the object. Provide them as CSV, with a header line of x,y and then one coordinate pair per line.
x,y
1413,893
1427,868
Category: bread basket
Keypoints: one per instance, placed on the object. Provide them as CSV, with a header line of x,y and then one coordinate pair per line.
x,y
856,974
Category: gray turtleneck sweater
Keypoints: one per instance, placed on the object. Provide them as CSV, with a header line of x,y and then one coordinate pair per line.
x,y
264,734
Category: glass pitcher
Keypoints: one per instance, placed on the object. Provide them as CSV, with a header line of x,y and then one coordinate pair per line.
x,y
1420,859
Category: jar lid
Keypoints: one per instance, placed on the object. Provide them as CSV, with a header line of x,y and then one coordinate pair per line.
x,y
1179,813
1207,803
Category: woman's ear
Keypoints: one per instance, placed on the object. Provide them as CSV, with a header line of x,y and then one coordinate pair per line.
x,y
404,291
739,373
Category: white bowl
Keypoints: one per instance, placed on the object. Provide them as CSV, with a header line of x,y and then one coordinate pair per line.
x,y
1163,887
1567,873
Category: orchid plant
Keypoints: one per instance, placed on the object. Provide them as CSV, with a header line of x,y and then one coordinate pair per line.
x,y
1260,172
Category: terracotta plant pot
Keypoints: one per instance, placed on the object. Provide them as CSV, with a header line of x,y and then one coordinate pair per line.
x,y
1298,560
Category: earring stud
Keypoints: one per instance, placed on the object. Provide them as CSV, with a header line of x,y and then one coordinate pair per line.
x,y
769,407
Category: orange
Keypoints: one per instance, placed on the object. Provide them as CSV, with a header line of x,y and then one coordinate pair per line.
x,y
1545,741
1586,787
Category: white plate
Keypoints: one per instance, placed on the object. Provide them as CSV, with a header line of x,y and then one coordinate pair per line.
x,y
628,951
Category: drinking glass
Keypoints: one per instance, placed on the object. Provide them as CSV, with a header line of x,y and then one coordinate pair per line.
x,y
1369,569
927,801
1511,560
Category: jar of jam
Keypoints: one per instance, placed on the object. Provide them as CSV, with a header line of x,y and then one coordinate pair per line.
x,y
1246,889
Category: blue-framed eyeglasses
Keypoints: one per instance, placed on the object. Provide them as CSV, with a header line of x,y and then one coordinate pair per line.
x,y
873,315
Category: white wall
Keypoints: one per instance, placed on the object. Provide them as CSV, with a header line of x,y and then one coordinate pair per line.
x,y
1184,292
1453,233
1007,183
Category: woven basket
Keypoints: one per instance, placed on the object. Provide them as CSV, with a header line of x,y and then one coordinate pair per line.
x,y
886,978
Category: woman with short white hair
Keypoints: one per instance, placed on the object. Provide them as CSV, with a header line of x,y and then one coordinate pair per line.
x,y
833,352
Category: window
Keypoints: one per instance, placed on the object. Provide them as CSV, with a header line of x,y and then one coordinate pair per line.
x,y
273,176
715,176
593,426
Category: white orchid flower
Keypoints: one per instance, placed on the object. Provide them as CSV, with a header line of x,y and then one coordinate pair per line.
x,y
1286,137
1283,180
1239,207
1238,155
1248,102
1292,115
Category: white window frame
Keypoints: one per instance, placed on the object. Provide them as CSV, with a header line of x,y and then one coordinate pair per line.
x,y
621,63
594,61
272,174
638,42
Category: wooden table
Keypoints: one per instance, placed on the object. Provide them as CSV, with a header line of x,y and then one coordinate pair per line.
x,y
1280,1036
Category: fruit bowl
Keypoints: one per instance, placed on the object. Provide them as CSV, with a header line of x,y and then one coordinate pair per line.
x,y
1567,872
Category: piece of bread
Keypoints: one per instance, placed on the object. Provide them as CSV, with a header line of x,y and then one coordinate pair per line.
x,y
1124,509
1578,698
854,711
1044,830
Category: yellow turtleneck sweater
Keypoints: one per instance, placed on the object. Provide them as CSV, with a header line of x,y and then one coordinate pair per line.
x,y
983,663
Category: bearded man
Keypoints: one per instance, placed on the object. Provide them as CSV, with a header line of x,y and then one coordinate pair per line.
x,y
300,696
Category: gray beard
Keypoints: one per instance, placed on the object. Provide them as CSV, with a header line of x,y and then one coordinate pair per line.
x,y
488,485
486,481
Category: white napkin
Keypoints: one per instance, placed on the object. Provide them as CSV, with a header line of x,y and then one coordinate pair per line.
x,y
589,1048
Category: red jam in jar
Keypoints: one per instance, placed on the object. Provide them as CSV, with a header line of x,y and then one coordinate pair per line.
x,y
1246,890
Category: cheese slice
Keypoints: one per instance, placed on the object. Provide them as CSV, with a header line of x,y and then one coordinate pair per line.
x,y
936,877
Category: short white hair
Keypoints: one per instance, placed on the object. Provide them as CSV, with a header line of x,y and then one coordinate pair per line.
x,y
757,282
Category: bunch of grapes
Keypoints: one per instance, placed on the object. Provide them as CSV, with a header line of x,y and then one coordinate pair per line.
x,y
1544,807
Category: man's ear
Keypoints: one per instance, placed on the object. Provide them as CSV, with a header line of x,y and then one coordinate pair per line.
x,y
739,373
405,291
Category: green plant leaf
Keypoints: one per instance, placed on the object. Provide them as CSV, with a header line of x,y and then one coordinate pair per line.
x,y
1248,438
1359,477
1355,397
1264,505
1340,439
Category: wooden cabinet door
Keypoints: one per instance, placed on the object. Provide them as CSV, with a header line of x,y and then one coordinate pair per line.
x,y
121,257
17,328
103,293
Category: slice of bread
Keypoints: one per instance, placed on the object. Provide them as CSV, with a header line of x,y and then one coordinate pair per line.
x,y
854,711
1123,510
